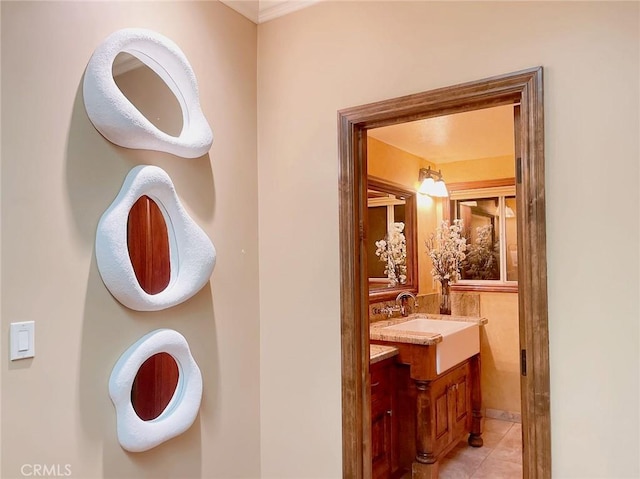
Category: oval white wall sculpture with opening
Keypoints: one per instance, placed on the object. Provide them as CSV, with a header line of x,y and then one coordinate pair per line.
x,y
134,434
119,121
192,255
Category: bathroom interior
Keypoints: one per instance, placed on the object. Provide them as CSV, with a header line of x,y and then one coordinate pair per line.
x,y
473,153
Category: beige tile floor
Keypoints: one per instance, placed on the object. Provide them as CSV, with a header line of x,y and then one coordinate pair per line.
x,y
499,458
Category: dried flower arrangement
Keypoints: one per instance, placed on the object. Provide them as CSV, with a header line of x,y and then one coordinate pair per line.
x,y
392,250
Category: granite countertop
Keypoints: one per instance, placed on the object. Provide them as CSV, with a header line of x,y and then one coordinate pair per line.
x,y
379,353
376,331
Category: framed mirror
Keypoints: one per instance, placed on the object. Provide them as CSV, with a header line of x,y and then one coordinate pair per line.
x,y
151,255
154,386
391,239
148,242
119,120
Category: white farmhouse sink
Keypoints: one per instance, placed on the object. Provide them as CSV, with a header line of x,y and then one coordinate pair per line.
x,y
460,339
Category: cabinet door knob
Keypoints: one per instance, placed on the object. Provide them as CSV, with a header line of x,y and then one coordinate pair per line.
x,y
390,412
375,384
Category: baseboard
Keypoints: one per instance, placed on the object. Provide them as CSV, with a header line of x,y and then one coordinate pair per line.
x,y
503,415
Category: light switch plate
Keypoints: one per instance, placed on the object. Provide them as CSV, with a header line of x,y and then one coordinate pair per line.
x,y
23,340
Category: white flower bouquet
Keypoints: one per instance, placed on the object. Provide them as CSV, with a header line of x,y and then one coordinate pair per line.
x,y
446,248
392,250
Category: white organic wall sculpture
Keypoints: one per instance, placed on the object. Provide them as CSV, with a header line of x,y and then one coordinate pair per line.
x,y
119,121
192,255
134,434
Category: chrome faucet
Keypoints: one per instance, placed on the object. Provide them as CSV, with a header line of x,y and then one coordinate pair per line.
x,y
388,310
402,302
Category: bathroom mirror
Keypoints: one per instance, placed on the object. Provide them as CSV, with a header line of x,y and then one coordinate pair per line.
x,y
107,98
391,239
148,245
187,261
148,93
154,386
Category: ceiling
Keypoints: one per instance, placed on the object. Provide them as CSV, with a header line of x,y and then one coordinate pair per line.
x,y
260,11
471,135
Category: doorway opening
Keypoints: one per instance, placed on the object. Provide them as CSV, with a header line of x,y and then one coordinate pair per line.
x,y
525,90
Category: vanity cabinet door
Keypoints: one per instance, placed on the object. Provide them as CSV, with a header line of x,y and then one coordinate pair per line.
x,y
461,401
452,407
381,420
441,426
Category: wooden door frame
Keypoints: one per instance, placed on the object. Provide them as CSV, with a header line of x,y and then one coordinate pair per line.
x,y
523,88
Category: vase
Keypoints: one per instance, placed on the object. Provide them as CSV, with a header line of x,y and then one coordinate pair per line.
x,y
445,298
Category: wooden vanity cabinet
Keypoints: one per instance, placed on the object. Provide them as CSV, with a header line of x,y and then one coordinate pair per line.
x,y
430,412
433,416
383,421
450,395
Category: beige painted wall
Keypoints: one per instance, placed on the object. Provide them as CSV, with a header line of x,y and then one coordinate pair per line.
x,y
499,347
500,352
336,55
391,163
58,177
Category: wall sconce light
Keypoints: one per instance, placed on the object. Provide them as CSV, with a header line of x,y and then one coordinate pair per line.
x,y
431,183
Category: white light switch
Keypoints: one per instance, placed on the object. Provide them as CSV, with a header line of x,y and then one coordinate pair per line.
x,y
22,340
